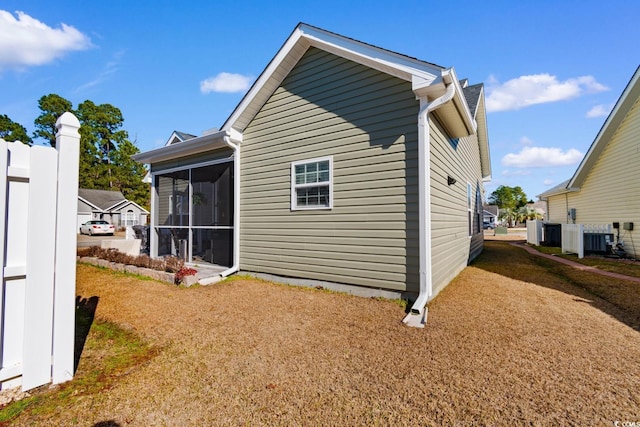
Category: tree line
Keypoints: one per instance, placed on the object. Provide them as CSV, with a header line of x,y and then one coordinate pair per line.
x,y
105,147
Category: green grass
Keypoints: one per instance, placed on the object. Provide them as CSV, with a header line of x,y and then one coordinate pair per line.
x,y
109,352
614,265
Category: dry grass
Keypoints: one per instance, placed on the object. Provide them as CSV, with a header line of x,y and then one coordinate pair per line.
x,y
508,342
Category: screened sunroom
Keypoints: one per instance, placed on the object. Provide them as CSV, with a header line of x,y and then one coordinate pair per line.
x,y
193,213
192,201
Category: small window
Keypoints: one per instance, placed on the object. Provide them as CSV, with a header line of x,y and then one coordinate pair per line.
x,y
312,184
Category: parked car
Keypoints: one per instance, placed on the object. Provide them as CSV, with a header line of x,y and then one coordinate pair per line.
x,y
97,227
488,225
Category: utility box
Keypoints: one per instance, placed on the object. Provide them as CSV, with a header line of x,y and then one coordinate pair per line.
x,y
628,226
553,235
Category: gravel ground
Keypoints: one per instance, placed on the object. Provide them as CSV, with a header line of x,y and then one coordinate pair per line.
x,y
523,348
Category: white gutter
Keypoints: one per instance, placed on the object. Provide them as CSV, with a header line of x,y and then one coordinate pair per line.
x,y
236,213
417,317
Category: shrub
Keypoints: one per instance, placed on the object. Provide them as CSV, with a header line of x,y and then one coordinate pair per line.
x,y
184,271
169,264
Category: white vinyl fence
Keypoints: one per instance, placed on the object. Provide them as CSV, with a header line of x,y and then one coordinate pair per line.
x,y
38,204
534,232
573,239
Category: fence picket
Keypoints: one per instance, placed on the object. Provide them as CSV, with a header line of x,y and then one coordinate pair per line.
x,y
38,209
40,268
4,157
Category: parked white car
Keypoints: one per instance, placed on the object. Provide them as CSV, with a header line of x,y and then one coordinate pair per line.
x,y
97,227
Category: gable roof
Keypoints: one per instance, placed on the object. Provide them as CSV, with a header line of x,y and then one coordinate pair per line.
x,y
553,191
124,203
177,137
101,199
427,79
624,104
630,95
488,213
474,95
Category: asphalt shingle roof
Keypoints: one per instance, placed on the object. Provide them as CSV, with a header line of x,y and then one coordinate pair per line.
x,y
472,96
101,198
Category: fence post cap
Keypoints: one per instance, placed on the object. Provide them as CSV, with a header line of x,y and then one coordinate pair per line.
x,y
68,119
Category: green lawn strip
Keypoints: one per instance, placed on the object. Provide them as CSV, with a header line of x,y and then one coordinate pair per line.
x,y
109,352
628,268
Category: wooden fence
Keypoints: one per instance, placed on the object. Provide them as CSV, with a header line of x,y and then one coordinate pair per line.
x,y
38,209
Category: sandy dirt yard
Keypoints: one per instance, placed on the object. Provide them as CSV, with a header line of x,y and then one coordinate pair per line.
x,y
507,343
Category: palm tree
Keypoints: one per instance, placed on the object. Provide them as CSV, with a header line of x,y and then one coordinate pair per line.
x,y
526,213
508,215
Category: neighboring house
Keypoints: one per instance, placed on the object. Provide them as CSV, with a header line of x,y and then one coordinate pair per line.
x,y
489,217
490,214
540,208
344,164
110,206
175,138
606,186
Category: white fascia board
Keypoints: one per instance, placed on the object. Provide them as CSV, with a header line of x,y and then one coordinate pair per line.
x,y
116,205
120,205
549,193
301,39
88,202
461,103
171,138
189,147
457,114
382,60
260,85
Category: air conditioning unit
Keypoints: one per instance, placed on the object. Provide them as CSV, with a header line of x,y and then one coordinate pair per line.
x,y
597,243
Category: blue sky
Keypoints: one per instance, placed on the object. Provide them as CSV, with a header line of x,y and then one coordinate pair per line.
x,y
552,69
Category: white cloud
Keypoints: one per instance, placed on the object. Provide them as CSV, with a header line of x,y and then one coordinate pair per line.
x,y
548,182
27,42
533,157
226,82
537,89
520,172
599,111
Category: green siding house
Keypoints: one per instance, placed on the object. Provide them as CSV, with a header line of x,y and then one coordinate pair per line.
x,y
345,165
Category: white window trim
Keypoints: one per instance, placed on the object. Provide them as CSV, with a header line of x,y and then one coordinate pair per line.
x,y
294,199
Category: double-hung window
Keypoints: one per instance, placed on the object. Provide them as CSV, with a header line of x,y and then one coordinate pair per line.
x,y
312,184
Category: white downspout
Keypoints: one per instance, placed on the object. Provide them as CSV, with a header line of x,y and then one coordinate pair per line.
x,y
417,317
236,214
